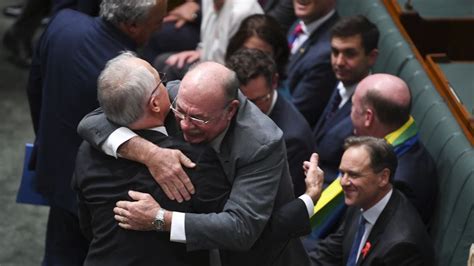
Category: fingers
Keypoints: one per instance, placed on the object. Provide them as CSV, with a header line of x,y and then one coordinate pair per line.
x,y
314,159
179,23
138,195
185,160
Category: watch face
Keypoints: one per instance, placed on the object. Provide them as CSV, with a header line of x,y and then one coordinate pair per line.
x,y
159,225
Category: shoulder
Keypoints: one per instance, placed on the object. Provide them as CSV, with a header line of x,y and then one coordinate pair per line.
x,y
289,119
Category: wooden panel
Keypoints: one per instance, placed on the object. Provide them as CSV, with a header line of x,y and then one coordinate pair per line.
x,y
442,84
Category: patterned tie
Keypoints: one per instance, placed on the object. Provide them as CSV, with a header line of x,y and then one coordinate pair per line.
x,y
334,105
297,31
355,245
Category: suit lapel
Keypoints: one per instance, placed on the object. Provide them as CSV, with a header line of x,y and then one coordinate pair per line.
x,y
381,224
312,39
324,125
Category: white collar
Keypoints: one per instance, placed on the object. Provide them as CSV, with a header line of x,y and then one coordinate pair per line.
x,y
274,99
372,214
313,26
160,129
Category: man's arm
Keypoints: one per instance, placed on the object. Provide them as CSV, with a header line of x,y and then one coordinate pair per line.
x,y
163,164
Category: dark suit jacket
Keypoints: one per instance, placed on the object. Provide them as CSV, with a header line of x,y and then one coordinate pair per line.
x,y
298,139
71,54
101,181
416,177
329,136
310,78
398,238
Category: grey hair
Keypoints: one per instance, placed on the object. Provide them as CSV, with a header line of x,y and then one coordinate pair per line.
x,y
123,88
126,11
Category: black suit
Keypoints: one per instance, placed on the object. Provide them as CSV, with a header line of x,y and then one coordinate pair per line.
x,y
329,135
398,238
101,181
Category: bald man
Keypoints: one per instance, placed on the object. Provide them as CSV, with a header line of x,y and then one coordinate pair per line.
x,y
209,109
381,108
132,94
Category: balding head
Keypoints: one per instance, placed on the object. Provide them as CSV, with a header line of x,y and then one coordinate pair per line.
x,y
381,104
207,94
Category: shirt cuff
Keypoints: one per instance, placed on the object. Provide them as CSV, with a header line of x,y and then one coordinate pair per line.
x,y
309,204
177,232
117,138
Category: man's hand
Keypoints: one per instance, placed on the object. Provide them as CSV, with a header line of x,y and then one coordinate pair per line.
x,y
314,178
137,215
182,58
183,13
165,166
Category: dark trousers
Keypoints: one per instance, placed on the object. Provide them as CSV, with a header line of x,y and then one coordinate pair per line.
x,y
65,244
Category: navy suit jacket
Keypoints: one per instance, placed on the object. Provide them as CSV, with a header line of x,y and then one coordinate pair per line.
x,y
101,181
72,52
329,136
298,139
398,237
416,177
310,78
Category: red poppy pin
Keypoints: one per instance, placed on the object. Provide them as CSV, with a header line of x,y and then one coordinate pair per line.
x,y
366,249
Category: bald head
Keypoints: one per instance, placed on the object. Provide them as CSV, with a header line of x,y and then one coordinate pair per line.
x,y
387,101
207,101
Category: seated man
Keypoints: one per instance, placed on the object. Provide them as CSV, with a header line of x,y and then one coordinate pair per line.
x,y
381,108
257,73
132,94
381,226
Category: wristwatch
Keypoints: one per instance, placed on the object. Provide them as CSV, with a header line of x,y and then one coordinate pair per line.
x,y
159,222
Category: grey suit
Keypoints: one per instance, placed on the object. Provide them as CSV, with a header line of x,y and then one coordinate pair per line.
x,y
253,156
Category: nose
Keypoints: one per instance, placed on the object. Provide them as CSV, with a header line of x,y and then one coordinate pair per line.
x,y
186,123
339,59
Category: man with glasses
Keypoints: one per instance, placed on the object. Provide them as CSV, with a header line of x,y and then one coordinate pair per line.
x,y
257,73
252,152
62,88
129,97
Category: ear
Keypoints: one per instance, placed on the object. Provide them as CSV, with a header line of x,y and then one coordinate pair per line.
x,y
275,81
233,107
154,104
369,117
373,56
384,177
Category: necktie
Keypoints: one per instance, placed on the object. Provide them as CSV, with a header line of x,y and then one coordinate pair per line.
x,y
334,105
297,31
355,245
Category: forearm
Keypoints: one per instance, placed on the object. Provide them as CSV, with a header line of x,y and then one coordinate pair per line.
x,y
138,149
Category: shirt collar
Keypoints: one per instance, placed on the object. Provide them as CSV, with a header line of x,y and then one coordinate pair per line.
x,y
274,99
345,92
371,215
313,26
160,129
217,141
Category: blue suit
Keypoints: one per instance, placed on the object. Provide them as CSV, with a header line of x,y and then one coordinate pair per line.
x,y
72,52
310,78
298,140
329,136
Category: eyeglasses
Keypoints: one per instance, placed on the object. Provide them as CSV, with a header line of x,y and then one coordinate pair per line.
x,y
197,121
163,80
263,98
